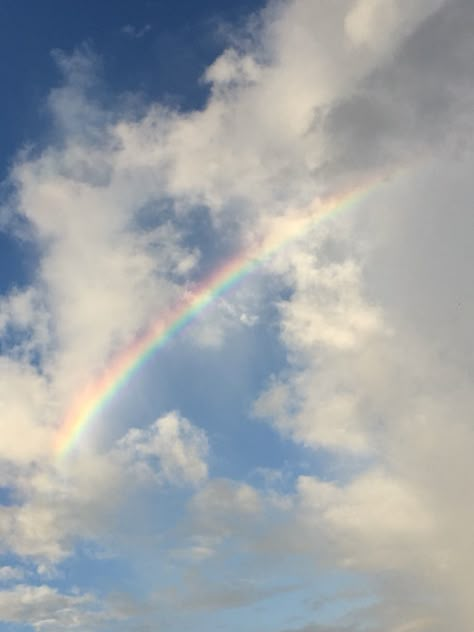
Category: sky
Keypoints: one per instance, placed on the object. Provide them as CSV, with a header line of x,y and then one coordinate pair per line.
x,y
236,306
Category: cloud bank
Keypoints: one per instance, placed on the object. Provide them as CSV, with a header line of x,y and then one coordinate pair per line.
x,y
372,311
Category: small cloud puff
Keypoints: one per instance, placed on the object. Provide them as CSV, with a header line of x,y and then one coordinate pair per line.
x,y
11,573
135,32
171,450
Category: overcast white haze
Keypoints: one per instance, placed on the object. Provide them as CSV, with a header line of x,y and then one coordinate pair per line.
x,y
299,458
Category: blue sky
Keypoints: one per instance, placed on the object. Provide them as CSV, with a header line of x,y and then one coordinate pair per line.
x,y
286,462
188,33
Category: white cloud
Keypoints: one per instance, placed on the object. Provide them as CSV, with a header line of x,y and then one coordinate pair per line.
x,y
179,448
379,361
223,506
375,517
85,497
44,608
326,308
376,23
18,309
25,417
11,573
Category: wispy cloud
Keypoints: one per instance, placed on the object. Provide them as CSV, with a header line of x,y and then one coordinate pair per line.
x,y
134,31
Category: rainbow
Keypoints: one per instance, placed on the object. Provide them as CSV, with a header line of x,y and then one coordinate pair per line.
x,y
280,231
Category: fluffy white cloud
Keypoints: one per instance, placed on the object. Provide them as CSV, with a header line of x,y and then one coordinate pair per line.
x,y
24,396
179,448
376,316
375,517
83,498
45,608
376,23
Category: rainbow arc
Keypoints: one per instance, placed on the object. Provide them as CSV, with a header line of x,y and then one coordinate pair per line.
x,y
95,397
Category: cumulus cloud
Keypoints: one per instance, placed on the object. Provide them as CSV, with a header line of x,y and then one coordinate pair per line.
x,y
44,608
23,392
374,23
218,506
57,504
179,448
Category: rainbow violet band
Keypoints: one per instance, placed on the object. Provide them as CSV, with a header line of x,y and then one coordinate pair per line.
x,y
125,364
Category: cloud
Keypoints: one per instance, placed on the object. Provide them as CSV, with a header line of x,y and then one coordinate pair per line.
x,y
373,309
44,608
11,573
375,517
135,32
374,23
179,448
23,392
55,505
199,594
222,501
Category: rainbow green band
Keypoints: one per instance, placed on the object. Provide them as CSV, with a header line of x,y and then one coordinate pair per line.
x,y
124,365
